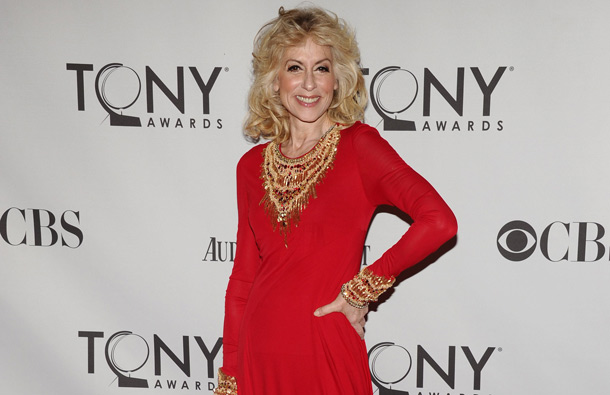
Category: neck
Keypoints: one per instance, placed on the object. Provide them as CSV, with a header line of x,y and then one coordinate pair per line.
x,y
302,133
304,137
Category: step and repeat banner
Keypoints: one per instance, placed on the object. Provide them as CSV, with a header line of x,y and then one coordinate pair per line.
x,y
121,126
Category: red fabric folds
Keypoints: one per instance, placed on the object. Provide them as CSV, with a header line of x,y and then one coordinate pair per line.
x,y
273,344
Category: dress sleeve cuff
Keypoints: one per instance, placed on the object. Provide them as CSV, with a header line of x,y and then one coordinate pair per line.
x,y
365,287
226,384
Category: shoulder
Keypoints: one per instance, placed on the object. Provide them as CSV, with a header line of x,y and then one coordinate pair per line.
x,y
252,159
370,148
360,135
359,131
253,155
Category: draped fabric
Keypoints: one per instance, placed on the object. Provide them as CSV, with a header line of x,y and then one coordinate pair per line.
x,y
273,344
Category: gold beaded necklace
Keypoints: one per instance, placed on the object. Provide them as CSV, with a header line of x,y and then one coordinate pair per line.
x,y
290,182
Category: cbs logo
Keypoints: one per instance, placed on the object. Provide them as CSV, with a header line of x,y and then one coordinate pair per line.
x,y
559,241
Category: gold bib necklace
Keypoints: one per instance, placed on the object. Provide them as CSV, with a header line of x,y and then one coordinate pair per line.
x,y
290,182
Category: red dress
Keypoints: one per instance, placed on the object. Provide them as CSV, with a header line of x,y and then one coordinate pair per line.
x,y
273,344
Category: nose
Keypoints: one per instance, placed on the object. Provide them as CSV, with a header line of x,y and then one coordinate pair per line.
x,y
309,81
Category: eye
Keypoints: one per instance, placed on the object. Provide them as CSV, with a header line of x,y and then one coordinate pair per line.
x,y
324,69
294,67
516,240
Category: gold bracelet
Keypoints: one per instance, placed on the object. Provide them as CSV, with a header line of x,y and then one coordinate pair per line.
x,y
226,384
349,298
365,287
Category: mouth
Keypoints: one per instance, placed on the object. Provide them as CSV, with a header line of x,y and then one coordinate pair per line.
x,y
308,100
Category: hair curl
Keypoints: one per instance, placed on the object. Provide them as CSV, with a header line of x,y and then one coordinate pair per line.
x,y
267,116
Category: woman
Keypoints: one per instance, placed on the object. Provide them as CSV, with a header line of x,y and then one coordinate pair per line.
x,y
295,303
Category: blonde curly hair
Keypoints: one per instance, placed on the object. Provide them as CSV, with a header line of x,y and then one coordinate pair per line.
x,y
267,116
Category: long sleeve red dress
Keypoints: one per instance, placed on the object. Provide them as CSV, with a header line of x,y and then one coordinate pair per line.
x,y
273,343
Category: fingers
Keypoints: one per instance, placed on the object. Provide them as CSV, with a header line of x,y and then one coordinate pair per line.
x,y
358,324
360,330
321,311
355,316
327,309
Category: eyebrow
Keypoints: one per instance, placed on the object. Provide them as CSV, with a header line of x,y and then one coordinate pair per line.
x,y
318,62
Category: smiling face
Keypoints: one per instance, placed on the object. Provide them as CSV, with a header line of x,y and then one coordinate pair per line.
x,y
306,82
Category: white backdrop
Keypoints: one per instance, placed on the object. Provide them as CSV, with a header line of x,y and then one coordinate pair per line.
x,y
116,240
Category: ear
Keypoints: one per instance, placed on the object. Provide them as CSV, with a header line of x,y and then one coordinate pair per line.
x,y
276,84
336,83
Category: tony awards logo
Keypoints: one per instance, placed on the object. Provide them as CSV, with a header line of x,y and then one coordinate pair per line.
x,y
126,95
389,364
126,353
117,75
384,84
395,96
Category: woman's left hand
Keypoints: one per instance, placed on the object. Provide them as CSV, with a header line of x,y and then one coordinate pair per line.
x,y
354,315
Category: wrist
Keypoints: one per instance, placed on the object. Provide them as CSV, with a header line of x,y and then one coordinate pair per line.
x,y
364,288
351,299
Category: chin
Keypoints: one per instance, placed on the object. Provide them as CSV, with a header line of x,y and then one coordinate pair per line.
x,y
308,116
